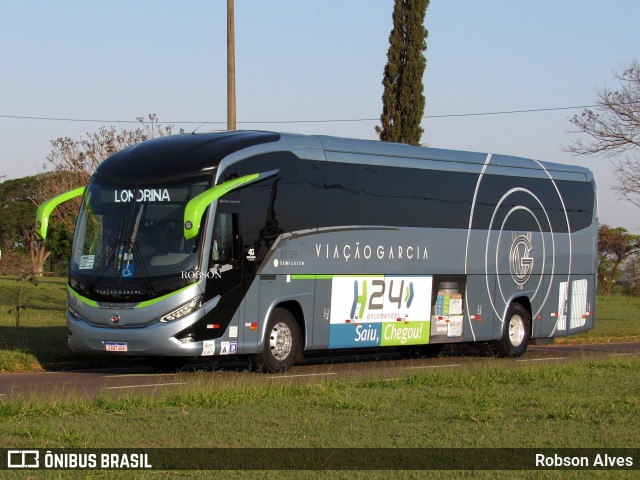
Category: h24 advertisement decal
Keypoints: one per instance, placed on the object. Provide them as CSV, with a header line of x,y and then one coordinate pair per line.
x,y
373,311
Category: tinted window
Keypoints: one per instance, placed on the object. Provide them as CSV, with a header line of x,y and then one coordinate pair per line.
x,y
314,194
521,203
329,195
416,198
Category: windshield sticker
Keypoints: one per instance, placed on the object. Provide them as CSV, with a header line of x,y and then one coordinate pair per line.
x,y
142,195
127,270
86,262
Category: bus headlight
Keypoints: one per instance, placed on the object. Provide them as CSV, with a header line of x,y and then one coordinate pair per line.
x,y
73,313
185,309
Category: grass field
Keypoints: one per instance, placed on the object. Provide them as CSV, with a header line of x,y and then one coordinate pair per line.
x,y
583,404
617,319
587,403
41,342
41,338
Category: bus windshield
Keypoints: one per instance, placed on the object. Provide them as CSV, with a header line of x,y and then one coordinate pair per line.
x,y
129,243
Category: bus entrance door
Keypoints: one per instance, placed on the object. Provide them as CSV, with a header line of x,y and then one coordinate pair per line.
x,y
224,275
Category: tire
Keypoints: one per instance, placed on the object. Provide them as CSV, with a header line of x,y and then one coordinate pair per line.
x,y
168,364
515,332
282,343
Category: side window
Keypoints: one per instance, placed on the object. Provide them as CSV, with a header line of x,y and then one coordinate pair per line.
x,y
224,246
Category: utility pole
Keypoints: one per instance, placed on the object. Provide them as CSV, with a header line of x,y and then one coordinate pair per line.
x,y
231,68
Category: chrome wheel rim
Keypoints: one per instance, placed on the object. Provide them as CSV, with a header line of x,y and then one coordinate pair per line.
x,y
516,330
280,341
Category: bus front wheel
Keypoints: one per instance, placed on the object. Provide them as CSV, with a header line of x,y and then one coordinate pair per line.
x,y
515,332
282,342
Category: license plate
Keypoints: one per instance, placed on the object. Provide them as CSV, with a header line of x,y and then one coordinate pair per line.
x,y
115,346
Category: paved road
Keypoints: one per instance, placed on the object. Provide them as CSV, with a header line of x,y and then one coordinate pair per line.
x,y
118,381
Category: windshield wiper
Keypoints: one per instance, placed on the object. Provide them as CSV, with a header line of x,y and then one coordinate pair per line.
x,y
119,247
134,233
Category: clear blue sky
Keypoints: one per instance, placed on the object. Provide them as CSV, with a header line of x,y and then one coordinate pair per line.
x,y
311,60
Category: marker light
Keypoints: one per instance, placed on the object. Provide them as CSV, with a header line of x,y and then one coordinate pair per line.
x,y
184,310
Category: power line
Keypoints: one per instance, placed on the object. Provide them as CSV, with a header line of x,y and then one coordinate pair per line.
x,y
279,122
510,112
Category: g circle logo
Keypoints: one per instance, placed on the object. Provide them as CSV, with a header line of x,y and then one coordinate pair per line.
x,y
520,260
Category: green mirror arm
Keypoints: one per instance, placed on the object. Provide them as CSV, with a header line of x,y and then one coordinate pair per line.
x,y
195,208
44,210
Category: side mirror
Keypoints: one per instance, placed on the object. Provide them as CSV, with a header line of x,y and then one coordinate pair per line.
x,y
197,205
44,210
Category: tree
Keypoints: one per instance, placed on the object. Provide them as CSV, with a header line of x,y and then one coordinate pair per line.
x,y
633,273
17,201
615,245
403,99
72,161
17,208
71,164
614,130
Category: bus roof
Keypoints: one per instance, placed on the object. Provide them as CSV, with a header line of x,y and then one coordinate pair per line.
x,y
177,155
188,154
337,148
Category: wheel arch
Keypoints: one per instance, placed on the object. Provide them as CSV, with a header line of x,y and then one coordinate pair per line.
x,y
514,338
283,339
525,303
296,305
295,309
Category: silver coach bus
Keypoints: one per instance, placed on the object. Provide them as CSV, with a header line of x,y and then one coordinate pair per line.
x,y
270,245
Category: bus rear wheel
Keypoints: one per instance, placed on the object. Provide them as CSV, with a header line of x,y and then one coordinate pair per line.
x,y
282,343
515,332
